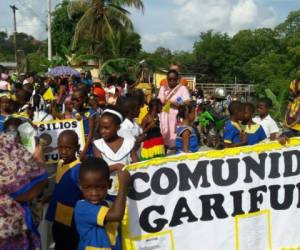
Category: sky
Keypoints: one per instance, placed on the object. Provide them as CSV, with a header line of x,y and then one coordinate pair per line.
x,y
174,24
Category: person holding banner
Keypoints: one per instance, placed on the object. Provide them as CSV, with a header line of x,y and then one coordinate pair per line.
x,y
172,97
79,99
234,136
97,216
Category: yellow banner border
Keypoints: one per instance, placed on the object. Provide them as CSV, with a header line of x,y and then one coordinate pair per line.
x,y
259,148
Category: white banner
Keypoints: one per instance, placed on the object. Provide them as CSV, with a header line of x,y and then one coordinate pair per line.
x,y
49,132
244,199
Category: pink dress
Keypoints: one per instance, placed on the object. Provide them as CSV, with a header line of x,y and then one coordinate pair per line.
x,y
168,120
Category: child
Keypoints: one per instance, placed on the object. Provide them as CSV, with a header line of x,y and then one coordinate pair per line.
x,y
114,149
254,132
93,214
153,146
129,106
79,99
5,109
233,134
265,120
66,193
22,99
186,136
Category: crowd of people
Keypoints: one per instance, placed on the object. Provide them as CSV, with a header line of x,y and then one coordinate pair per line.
x,y
123,124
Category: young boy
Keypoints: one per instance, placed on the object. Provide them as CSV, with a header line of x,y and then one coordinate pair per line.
x,y
93,215
233,134
255,132
265,120
66,193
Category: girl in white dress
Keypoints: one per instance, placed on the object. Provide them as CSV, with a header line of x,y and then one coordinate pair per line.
x,y
114,149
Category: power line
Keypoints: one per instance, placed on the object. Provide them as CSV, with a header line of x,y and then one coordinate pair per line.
x,y
29,8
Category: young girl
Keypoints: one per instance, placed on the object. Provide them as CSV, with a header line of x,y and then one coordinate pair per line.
x,y
186,137
79,99
153,145
112,148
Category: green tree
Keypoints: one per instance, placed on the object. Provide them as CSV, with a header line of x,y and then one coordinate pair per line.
x,y
248,44
291,25
63,27
213,50
101,20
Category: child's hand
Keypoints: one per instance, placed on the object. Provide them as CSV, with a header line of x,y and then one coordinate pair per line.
x,y
124,177
116,167
283,140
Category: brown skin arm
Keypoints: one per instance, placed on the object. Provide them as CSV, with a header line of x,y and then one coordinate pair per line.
x,y
186,140
147,124
116,212
134,156
240,144
33,192
116,167
97,153
89,138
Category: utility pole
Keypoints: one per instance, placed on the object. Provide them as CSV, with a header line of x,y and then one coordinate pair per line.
x,y
49,32
14,8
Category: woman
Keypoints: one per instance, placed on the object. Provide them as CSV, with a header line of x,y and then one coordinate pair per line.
x,y
172,96
22,178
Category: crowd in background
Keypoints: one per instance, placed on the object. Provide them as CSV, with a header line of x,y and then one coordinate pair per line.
x,y
124,122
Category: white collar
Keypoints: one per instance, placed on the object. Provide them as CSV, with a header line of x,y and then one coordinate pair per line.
x,y
124,150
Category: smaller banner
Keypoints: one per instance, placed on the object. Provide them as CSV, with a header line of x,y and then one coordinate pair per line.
x,y
49,132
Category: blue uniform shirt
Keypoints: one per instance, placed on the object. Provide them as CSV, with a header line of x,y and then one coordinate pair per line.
x,y
94,232
255,134
66,194
232,131
85,118
193,142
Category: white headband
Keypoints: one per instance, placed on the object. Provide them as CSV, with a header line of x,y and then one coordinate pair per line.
x,y
110,111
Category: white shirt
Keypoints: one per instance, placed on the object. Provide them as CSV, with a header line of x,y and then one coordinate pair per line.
x,y
268,124
130,129
122,156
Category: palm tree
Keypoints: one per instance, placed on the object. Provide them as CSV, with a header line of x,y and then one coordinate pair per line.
x,y
101,20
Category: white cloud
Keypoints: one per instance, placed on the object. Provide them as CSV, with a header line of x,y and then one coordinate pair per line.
x,y
248,14
195,16
167,39
32,17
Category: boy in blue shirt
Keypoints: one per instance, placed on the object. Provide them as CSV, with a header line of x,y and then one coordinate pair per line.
x,y
233,134
66,193
95,219
255,132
